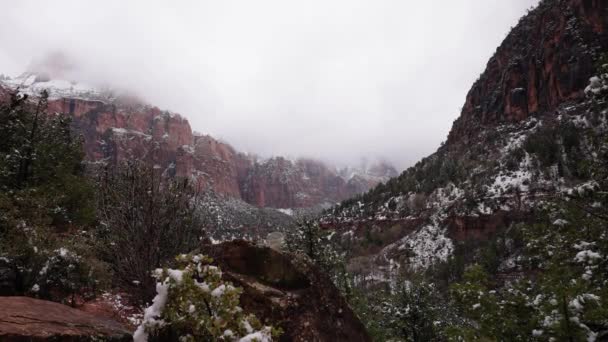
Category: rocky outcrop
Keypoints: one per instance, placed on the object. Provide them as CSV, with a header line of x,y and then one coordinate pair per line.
x,y
288,292
482,227
29,319
120,131
218,166
545,60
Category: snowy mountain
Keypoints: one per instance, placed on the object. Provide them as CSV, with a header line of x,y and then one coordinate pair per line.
x,y
531,128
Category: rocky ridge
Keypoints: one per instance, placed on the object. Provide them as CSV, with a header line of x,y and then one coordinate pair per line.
x,y
530,129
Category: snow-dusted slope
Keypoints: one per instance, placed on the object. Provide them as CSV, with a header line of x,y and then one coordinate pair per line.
x,y
532,128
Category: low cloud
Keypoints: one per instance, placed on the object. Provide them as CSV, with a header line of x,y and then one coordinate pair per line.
x,y
338,80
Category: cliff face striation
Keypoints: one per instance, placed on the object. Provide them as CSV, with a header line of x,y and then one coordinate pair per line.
x,y
545,60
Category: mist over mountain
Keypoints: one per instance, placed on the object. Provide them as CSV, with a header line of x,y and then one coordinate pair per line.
x,y
225,171
336,81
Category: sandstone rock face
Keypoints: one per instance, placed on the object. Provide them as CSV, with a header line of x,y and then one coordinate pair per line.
x,y
123,128
545,60
283,183
119,132
289,292
29,319
218,166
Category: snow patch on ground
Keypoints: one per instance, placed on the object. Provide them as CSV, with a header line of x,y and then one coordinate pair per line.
x,y
429,244
287,211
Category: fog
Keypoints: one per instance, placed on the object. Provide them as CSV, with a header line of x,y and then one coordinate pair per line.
x,y
336,79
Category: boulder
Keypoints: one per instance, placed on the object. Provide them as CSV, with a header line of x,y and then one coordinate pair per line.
x,y
30,319
288,291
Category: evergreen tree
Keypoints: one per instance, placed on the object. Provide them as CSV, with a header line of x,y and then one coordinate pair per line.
x,y
316,243
44,191
412,311
567,252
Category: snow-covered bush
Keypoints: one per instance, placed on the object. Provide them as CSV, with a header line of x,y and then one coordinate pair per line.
x,y
598,85
64,276
193,303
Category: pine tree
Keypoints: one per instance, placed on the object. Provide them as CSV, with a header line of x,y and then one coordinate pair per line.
x,y
310,240
44,191
411,312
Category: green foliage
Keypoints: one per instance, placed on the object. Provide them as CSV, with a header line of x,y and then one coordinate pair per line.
x,y
566,252
491,314
66,276
411,312
194,304
365,304
41,163
311,240
543,143
44,192
315,242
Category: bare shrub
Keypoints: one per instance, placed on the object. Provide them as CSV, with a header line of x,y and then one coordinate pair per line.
x,y
145,220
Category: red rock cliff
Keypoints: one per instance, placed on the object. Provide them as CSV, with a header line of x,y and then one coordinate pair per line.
x,y
124,128
545,60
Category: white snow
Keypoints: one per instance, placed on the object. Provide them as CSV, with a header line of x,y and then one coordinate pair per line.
x,y
428,245
153,312
587,256
583,244
537,333
287,211
27,84
220,290
124,131
176,275
513,180
579,301
560,222
596,85
258,336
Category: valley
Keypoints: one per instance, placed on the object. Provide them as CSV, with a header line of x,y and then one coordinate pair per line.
x,y
501,234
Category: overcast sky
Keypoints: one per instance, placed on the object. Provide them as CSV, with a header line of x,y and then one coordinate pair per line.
x,y
333,79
